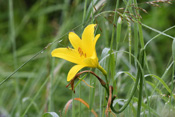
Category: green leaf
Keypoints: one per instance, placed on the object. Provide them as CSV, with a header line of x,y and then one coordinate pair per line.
x,y
160,80
52,114
124,72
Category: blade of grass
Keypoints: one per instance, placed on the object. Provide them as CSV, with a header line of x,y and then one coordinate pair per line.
x,y
135,40
112,58
141,59
129,28
119,25
173,73
129,38
41,88
163,76
158,35
73,105
155,30
13,40
56,39
84,12
12,31
160,80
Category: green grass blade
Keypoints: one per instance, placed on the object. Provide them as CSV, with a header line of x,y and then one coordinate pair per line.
x,y
160,80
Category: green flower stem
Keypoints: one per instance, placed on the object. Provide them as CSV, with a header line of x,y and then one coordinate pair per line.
x,y
102,70
104,73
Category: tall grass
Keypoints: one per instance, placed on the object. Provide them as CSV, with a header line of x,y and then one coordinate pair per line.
x,y
136,48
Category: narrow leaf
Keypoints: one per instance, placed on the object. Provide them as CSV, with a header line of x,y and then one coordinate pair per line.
x,y
160,80
53,114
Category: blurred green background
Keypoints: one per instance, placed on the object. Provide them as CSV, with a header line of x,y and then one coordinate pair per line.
x,y
28,26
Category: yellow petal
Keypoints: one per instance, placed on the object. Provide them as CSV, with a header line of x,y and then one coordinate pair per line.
x,y
96,38
73,71
91,62
94,44
74,40
87,39
68,54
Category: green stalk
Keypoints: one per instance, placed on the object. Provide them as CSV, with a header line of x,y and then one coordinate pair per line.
x,y
146,92
173,73
12,31
129,27
129,38
140,93
143,58
139,74
127,5
119,23
101,99
80,102
84,12
102,70
114,21
130,97
73,105
172,86
92,93
139,26
92,11
112,58
50,87
104,73
141,84
118,32
13,40
135,40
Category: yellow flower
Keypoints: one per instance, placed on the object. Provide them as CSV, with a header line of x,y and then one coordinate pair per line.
x,y
83,54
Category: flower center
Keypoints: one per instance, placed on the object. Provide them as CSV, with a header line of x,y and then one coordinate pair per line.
x,y
81,52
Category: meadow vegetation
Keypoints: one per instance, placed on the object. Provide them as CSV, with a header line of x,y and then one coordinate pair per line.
x,y
137,41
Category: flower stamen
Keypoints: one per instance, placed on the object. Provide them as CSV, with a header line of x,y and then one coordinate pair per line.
x,y
81,52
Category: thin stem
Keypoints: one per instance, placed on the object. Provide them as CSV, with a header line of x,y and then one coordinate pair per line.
x,y
112,59
109,100
12,31
102,70
130,97
139,74
13,41
173,68
50,86
104,73
141,58
119,23
158,36
84,12
73,105
88,71
80,102
115,15
129,38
